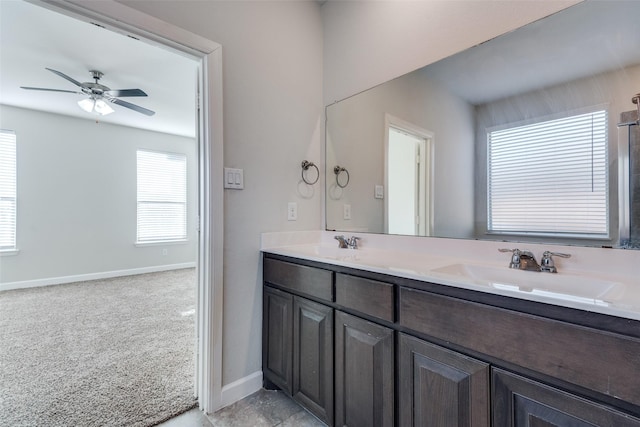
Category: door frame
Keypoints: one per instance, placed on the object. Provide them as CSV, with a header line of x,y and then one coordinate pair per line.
x,y
126,20
391,121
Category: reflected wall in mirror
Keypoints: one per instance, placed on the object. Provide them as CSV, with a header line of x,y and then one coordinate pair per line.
x,y
416,146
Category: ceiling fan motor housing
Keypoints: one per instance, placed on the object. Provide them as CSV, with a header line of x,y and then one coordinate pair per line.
x,y
96,88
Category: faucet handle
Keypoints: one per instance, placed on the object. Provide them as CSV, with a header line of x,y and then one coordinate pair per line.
x,y
352,243
515,258
547,264
560,254
342,242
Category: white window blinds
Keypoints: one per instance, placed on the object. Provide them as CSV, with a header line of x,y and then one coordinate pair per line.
x,y
7,190
550,177
162,196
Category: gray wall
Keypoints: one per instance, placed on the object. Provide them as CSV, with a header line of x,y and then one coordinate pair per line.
x,y
277,60
77,197
273,119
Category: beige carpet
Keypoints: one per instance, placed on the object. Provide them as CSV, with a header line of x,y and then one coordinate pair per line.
x,y
113,352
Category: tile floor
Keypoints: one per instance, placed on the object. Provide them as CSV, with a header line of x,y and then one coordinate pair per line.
x,y
263,408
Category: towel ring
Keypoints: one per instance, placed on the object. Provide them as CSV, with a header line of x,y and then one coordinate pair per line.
x,y
305,166
338,170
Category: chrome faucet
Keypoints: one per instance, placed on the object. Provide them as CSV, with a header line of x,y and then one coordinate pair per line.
x,y
347,243
522,260
547,264
525,260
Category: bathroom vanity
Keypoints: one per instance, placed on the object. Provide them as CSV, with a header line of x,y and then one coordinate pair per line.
x,y
362,344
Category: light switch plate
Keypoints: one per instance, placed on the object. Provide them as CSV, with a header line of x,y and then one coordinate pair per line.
x,y
379,192
233,178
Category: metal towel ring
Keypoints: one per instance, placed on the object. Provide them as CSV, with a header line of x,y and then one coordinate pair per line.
x,y
305,166
338,170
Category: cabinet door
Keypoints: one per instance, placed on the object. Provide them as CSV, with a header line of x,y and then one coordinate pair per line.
x,y
520,402
439,387
313,357
364,373
277,335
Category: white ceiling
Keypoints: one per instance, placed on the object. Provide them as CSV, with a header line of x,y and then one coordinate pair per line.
x,y
32,38
585,39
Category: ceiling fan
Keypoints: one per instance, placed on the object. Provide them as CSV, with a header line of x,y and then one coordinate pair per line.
x,y
99,95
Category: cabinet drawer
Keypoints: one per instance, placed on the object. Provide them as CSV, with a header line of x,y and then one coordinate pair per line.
x,y
305,280
604,362
366,296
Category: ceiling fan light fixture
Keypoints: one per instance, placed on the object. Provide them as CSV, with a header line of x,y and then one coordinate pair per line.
x,y
95,106
102,107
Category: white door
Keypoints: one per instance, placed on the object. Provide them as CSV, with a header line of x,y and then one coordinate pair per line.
x,y
408,158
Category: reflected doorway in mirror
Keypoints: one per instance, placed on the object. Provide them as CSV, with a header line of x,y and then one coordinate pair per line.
x,y
408,178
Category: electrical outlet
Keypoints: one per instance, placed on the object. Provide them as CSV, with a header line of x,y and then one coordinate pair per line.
x,y
165,251
346,210
292,211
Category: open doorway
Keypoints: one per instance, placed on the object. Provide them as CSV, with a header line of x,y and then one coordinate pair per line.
x,y
208,144
408,178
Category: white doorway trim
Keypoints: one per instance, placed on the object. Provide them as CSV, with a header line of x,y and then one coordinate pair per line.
x,y
425,176
123,19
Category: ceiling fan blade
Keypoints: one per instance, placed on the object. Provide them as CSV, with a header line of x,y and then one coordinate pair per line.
x,y
50,90
64,76
125,92
132,107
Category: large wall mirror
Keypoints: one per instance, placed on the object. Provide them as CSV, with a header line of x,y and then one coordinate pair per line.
x,y
421,155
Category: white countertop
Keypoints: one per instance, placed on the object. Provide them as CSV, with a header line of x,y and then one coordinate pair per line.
x,y
479,266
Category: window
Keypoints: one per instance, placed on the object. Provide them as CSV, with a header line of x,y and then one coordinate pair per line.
x,y
162,196
7,190
550,178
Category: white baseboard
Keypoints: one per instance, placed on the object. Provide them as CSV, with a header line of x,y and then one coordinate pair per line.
x,y
92,276
240,389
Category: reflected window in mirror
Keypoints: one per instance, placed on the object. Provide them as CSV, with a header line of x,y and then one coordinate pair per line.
x,y
549,177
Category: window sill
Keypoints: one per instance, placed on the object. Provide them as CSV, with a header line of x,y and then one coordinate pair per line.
x,y
524,234
9,252
162,243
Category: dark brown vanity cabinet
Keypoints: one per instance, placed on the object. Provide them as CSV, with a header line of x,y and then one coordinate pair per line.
x,y
439,387
364,373
363,349
297,353
297,340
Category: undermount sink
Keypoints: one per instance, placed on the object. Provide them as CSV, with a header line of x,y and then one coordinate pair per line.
x,y
555,285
